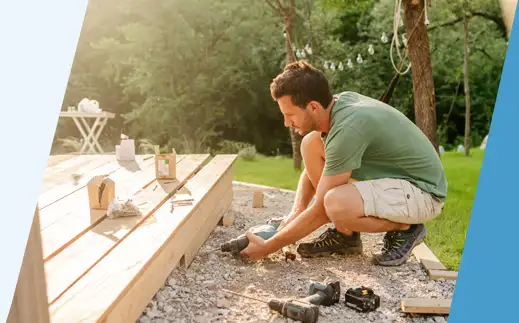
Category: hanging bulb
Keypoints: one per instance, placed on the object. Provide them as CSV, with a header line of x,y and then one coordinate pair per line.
x,y
326,65
371,50
332,67
384,38
308,49
359,59
285,34
341,67
350,64
401,22
302,53
404,40
426,21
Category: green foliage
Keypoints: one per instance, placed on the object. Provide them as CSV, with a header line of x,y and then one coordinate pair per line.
x,y
189,74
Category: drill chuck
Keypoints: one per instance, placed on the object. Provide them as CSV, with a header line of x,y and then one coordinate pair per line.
x,y
235,245
297,311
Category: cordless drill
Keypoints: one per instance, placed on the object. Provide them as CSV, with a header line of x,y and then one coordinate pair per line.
x,y
265,232
293,309
326,295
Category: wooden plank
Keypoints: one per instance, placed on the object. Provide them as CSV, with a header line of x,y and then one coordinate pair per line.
x,y
427,258
208,225
426,306
52,196
67,266
56,159
67,219
443,274
86,164
118,288
30,303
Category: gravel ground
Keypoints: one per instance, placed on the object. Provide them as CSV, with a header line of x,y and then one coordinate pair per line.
x,y
194,295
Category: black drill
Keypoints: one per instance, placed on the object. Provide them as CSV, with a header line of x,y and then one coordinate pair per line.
x,y
293,309
326,295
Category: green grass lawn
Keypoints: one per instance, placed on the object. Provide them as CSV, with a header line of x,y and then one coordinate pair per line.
x,y
446,234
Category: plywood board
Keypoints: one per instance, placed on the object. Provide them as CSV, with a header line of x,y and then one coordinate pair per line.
x,y
426,306
118,288
67,266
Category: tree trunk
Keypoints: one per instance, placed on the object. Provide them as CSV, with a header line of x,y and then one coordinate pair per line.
x,y
294,136
421,69
508,11
466,83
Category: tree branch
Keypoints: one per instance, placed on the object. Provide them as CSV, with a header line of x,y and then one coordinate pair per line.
x,y
499,22
281,9
276,11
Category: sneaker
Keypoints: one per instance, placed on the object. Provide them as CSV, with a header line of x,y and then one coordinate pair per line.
x,y
331,242
398,245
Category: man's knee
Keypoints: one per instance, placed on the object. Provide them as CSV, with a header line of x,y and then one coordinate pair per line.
x,y
343,203
312,145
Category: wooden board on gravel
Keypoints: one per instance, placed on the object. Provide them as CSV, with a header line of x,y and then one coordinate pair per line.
x,y
107,270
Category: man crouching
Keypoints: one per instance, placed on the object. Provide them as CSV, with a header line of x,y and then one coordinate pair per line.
x,y
369,168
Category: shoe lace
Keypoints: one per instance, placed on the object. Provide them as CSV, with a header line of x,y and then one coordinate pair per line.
x,y
392,243
326,237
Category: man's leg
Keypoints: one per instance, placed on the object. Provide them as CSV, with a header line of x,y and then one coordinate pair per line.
x,y
312,151
387,205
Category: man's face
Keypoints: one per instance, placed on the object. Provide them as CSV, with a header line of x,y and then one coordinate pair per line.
x,y
303,121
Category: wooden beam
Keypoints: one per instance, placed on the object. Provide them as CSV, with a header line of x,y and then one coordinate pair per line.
x,y
120,286
426,306
30,304
85,251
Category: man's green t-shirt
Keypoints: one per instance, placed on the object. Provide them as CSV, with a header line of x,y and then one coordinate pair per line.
x,y
375,140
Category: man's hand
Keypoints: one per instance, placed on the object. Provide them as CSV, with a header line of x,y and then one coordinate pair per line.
x,y
256,249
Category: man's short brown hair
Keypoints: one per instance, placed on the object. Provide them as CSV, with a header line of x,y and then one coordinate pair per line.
x,y
303,83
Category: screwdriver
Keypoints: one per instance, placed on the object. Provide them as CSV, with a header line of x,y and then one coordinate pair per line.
x,y
297,311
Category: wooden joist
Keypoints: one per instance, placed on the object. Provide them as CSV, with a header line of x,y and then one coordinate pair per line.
x,y
107,270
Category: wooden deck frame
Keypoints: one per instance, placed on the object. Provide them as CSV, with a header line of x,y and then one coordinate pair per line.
x,y
117,275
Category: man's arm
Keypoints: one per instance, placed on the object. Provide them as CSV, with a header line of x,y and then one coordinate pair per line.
x,y
307,222
304,194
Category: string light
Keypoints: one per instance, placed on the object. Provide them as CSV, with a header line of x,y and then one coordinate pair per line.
x,y
359,59
371,50
332,67
350,64
341,67
384,38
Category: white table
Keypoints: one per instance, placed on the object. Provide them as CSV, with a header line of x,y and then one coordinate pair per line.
x,y
89,133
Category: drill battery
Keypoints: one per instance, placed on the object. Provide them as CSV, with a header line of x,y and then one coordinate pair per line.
x,y
362,299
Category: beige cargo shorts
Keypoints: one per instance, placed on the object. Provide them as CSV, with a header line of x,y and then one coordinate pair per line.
x,y
398,201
